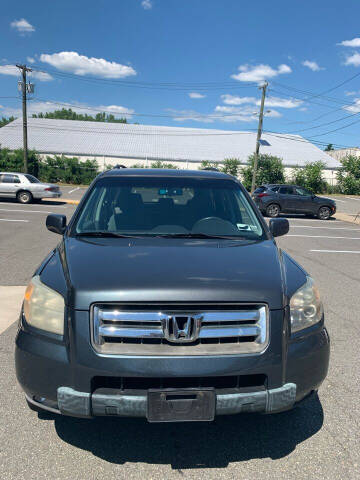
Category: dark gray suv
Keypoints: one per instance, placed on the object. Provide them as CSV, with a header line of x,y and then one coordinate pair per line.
x,y
275,199
168,298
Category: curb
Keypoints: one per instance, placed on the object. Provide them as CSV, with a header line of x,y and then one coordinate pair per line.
x,y
64,200
345,217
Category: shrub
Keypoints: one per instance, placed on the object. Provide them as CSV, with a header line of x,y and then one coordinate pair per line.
x,y
310,177
207,164
159,164
52,169
270,170
348,175
231,166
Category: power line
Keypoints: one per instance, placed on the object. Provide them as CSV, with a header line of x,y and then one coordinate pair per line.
x,y
324,124
181,114
148,85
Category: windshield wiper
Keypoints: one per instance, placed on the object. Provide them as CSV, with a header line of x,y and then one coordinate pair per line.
x,y
104,233
199,235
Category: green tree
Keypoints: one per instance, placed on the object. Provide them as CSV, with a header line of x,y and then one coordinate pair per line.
x,y
310,177
329,147
4,121
159,164
69,114
270,170
348,175
231,166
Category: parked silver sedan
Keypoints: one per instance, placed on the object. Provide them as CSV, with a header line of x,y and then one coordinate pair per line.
x,y
26,188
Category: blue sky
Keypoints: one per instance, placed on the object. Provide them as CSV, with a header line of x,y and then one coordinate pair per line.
x,y
302,48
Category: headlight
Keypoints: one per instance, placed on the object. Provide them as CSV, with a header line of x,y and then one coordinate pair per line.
x,y
43,307
306,308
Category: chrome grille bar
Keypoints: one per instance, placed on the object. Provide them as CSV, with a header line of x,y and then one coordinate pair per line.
x,y
119,331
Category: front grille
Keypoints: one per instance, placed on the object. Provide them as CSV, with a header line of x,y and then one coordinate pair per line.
x,y
179,330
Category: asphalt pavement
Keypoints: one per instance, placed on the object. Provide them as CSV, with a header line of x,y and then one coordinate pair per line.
x,y
318,440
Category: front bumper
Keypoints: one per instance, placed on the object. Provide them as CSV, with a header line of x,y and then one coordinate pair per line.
x,y
82,404
55,373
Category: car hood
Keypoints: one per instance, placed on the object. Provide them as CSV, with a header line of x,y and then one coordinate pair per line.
x,y
166,270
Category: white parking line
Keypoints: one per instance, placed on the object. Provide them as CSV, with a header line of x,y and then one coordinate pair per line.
x,y
336,251
323,236
19,205
353,198
11,220
326,228
74,190
23,211
337,199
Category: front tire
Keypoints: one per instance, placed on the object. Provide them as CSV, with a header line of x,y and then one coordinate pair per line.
x,y
324,213
24,197
273,210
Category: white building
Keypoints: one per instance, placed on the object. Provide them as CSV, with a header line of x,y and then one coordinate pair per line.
x,y
112,143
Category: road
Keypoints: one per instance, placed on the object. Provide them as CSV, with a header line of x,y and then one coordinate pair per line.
x,y
319,440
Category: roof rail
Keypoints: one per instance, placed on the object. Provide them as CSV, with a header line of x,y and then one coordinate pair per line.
x,y
213,169
118,166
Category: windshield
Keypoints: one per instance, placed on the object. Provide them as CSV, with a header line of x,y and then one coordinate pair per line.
x,y
178,206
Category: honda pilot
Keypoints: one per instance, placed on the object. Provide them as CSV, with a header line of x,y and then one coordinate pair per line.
x,y
168,298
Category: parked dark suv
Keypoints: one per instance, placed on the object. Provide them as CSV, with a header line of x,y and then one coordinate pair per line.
x,y
168,298
275,199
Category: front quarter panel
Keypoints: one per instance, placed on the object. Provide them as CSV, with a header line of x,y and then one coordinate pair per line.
x,y
294,275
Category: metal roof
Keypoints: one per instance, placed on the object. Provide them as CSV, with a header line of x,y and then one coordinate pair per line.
x,y
72,137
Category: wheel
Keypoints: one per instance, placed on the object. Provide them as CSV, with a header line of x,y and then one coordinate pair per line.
x,y
324,213
273,210
24,197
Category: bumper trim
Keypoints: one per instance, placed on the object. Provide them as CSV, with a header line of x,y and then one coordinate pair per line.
x,y
82,404
41,405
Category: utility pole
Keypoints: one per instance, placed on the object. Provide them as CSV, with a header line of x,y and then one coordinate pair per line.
x,y
24,69
257,148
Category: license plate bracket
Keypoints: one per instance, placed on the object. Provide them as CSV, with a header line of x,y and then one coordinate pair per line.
x,y
181,405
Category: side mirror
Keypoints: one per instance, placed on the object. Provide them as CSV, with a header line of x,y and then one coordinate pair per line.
x,y
279,226
56,223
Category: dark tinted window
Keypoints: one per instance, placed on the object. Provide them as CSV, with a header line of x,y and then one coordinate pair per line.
x,y
155,206
260,190
286,190
275,189
32,179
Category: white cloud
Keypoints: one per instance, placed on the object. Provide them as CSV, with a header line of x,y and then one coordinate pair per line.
x,y
259,73
355,42
353,60
22,26
352,93
15,72
146,4
314,66
30,59
281,102
269,101
235,100
82,65
355,107
196,95
38,107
